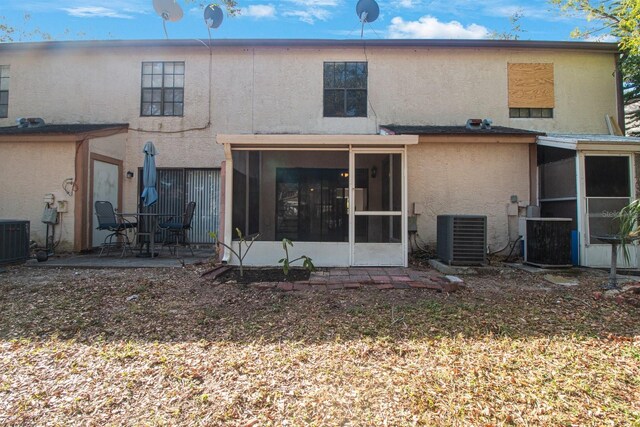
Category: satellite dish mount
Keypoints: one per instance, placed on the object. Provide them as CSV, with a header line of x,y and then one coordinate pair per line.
x,y
367,11
168,10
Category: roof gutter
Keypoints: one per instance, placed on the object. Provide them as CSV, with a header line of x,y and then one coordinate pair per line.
x,y
316,43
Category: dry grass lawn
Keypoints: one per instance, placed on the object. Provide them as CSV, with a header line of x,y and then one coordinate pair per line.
x,y
511,349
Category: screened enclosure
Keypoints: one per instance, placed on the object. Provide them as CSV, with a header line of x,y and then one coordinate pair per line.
x,y
301,196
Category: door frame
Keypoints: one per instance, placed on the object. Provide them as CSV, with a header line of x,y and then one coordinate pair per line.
x,y
583,218
105,159
353,151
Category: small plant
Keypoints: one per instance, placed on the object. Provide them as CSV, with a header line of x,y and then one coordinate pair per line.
x,y
629,226
286,262
239,253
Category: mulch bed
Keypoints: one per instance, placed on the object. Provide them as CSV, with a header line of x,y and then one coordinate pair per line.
x,y
259,275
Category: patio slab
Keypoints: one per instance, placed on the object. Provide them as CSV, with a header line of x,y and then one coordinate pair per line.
x,y
165,260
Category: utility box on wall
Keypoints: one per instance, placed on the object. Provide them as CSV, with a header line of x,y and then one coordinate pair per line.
x,y
14,241
462,239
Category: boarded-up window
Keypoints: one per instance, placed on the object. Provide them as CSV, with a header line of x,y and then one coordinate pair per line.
x,y
531,85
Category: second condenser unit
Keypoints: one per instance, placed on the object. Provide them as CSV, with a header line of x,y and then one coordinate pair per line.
x,y
462,239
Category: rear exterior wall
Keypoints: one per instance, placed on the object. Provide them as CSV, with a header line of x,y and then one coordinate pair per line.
x,y
469,179
29,171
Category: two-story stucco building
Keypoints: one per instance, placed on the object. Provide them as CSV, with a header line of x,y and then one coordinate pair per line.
x,y
333,144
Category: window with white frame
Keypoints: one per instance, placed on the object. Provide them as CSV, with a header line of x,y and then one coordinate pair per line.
x,y
4,91
162,89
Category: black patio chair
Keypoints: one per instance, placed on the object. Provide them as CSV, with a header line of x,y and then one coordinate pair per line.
x,y
107,221
177,228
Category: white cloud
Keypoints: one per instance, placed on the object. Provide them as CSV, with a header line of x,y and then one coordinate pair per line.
x,y
309,15
407,4
604,38
259,11
428,27
315,3
310,11
95,12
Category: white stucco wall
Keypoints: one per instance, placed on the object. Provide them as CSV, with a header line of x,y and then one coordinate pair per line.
x,y
28,171
477,179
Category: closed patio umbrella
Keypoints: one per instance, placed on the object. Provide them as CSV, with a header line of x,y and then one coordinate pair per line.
x,y
149,193
149,175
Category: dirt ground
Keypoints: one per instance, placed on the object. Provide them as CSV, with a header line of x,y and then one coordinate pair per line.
x,y
165,347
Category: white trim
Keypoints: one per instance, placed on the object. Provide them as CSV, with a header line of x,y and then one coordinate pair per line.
x,y
351,208
260,148
579,208
375,144
583,216
297,141
377,213
402,213
267,253
228,201
607,143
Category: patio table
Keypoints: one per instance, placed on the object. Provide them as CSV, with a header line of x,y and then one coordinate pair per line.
x,y
150,226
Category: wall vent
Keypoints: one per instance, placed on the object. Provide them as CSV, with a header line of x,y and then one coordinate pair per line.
x,y
462,239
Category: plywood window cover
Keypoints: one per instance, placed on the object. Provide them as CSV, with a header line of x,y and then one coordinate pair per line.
x,y
531,85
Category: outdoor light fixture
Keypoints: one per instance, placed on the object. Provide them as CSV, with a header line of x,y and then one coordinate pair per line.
x,y
374,172
129,174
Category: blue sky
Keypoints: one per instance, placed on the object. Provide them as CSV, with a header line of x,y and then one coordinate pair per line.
x,y
335,19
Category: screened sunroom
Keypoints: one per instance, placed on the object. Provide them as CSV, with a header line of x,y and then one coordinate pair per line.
x,y
589,178
341,199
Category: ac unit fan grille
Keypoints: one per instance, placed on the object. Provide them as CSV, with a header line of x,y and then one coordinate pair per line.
x,y
462,239
468,240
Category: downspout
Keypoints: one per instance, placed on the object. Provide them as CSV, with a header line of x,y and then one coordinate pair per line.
x,y
228,202
620,95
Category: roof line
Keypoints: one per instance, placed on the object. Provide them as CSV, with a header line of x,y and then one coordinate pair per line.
x,y
319,43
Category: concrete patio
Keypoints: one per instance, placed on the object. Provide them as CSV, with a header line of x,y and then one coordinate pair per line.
x,y
92,260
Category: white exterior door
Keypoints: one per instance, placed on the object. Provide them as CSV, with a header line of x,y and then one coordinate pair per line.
x,y
377,217
105,188
606,186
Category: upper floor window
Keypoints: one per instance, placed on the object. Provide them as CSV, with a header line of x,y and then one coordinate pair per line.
x,y
345,89
4,91
162,89
531,113
531,90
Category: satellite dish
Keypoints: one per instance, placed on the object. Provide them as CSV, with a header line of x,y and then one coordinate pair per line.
x,y
213,16
168,10
367,11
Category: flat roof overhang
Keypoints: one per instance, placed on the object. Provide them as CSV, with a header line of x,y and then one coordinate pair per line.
x,y
308,142
611,143
462,134
61,132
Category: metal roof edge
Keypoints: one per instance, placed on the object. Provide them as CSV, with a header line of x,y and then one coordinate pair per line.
x,y
319,43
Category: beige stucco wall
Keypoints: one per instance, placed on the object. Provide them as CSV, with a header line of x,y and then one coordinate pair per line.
x,y
279,90
28,171
113,146
459,178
